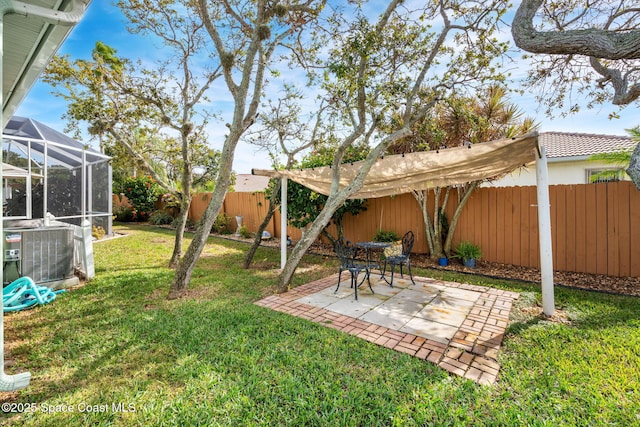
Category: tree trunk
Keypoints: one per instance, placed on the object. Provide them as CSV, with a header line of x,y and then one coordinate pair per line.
x,y
272,209
181,226
421,198
185,196
634,167
339,222
258,239
439,247
329,237
456,215
187,263
437,235
305,242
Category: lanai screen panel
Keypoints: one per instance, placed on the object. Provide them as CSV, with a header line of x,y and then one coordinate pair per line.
x,y
64,191
46,171
99,197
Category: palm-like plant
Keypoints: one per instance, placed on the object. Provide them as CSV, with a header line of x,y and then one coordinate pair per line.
x,y
634,165
618,159
458,121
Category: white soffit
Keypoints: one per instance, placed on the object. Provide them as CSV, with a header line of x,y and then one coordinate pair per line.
x,y
28,44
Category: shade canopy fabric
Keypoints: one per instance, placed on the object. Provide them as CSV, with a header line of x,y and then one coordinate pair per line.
x,y
398,174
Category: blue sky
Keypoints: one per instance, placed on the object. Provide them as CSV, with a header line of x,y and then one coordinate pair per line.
x,y
104,22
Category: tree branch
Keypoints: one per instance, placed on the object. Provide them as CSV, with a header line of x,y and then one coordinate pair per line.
x,y
165,185
598,43
623,94
226,57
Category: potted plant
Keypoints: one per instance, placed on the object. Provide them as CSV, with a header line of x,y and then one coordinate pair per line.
x,y
469,253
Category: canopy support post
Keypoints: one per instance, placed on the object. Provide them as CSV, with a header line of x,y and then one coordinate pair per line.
x,y
283,222
544,231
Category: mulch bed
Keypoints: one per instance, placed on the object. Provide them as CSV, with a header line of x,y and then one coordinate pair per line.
x,y
594,282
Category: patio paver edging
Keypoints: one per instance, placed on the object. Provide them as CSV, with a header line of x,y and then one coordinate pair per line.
x,y
472,353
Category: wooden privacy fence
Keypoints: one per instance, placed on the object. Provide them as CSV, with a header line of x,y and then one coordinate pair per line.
x,y
595,227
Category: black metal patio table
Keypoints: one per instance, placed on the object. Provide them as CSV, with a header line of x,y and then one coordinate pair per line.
x,y
369,248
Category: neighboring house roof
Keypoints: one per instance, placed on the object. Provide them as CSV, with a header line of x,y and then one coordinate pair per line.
x,y
564,144
246,183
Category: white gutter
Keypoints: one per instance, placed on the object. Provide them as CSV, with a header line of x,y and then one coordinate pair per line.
x,y
50,16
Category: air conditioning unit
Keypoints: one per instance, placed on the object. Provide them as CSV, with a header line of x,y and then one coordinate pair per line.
x,y
44,254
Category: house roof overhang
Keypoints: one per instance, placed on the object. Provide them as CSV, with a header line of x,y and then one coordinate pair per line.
x,y
33,30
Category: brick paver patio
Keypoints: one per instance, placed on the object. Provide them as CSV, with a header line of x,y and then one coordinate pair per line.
x,y
457,326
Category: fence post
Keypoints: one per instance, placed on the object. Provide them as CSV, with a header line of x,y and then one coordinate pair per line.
x,y
544,231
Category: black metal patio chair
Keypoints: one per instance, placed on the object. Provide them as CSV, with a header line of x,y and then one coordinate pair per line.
x,y
347,253
401,259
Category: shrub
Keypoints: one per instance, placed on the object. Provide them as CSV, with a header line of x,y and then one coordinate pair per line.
x,y
222,224
142,192
385,236
190,224
160,218
170,201
123,214
97,232
467,250
244,232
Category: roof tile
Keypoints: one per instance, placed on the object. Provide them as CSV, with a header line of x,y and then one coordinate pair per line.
x,y
565,144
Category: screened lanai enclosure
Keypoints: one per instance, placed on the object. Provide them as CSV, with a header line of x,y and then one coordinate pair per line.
x,y
50,183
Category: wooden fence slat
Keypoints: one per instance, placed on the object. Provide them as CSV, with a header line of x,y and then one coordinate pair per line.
x,y
581,214
624,229
560,209
591,237
602,247
500,225
485,219
569,216
534,245
491,244
634,230
516,245
613,249
525,232
553,205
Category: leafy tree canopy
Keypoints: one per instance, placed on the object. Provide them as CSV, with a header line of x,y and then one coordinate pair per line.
x,y
303,205
456,121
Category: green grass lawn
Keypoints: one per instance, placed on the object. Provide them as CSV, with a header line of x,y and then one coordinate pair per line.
x,y
214,358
